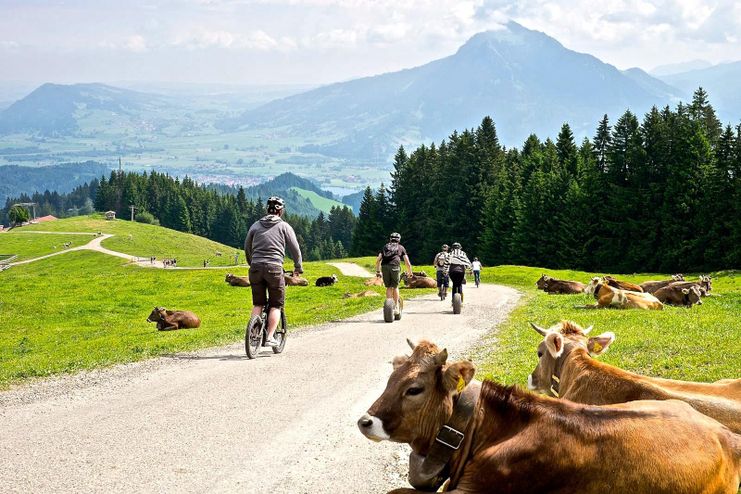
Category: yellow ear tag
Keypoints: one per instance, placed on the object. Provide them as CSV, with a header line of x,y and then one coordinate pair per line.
x,y
461,384
596,347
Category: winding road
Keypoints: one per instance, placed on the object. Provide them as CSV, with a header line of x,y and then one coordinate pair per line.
x,y
215,421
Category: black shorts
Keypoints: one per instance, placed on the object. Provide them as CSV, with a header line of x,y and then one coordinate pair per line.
x,y
268,285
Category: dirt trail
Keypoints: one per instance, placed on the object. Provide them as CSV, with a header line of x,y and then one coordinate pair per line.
x,y
352,269
215,421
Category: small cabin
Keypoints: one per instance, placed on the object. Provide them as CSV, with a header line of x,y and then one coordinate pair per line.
x,y
110,215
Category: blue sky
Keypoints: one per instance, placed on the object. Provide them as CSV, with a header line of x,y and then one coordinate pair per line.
x,y
320,41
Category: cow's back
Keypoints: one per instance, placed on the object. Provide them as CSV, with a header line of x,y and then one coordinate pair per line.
x,y
644,447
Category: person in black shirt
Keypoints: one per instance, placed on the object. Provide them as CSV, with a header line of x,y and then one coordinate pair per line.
x,y
388,265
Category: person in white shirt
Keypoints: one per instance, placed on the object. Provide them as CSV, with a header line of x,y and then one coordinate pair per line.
x,y
476,268
456,266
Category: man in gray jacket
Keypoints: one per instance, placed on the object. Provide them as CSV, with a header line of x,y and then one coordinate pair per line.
x,y
265,247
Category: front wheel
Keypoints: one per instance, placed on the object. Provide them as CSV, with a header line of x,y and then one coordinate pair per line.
x,y
388,310
281,333
253,337
457,303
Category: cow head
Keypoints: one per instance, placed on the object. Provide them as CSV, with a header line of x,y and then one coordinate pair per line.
x,y
678,277
542,282
692,295
157,314
707,283
418,398
229,277
558,342
590,288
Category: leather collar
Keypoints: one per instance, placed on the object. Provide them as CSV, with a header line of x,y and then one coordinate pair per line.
x,y
597,289
427,473
556,375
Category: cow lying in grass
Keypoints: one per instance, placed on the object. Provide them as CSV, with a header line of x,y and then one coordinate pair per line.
x,y
366,293
173,319
608,296
326,280
489,438
294,280
705,284
418,281
676,295
237,280
652,286
375,281
566,369
623,285
554,286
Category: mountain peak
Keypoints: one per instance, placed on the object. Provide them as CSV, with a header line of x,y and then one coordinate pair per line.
x,y
511,35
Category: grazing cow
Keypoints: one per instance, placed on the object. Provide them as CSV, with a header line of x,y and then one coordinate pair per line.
x,y
418,281
566,369
366,293
623,285
326,280
292,280
652,286
608,296
489,438
705,284
218,253
173,319
375,281
237,280
554,286
676,295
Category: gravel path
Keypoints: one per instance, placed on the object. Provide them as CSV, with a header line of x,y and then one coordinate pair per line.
x,y
352,269
215,421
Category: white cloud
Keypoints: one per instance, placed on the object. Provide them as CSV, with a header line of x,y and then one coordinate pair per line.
x,y
256,40
136,43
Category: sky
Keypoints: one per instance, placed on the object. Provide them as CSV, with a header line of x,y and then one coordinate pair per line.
x,y
322,41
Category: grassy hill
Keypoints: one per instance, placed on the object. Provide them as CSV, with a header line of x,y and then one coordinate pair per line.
x,y
29,245
321,203
139,239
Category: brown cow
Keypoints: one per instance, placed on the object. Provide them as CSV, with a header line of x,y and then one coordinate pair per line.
x,y
566,369
366,293
676,295
608,296
237,280
375,281
652,286
292,280
623,285
489,438
173,319
705,284
418,281
554,286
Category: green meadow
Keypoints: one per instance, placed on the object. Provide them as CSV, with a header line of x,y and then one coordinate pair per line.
x,y
31,245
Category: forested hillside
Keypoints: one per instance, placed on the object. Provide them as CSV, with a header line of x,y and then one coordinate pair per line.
x,y
192,208
661,194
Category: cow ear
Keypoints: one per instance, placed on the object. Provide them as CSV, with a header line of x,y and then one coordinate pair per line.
x,y
554,344
538,329
440,359
597,345
399,360
458,375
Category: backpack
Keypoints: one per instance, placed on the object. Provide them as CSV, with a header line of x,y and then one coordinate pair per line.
x,y
441,260
390,252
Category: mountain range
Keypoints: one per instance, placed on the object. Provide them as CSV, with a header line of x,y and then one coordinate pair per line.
x,y
525,80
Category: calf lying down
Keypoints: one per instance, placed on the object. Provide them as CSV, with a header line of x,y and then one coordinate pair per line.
x,y
608,296
508,441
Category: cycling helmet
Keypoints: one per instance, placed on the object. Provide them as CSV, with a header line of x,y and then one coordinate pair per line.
x,y
275,204
456,245
445,246
395,237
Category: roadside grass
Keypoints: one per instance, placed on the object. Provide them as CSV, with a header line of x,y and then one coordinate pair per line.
x,y
142,240
86,309
698,344
29,246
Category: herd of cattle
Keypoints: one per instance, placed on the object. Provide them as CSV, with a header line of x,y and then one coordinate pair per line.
x,y
291,279
594,429
610,292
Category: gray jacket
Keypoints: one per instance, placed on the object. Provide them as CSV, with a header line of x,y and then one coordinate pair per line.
x,y
267,241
